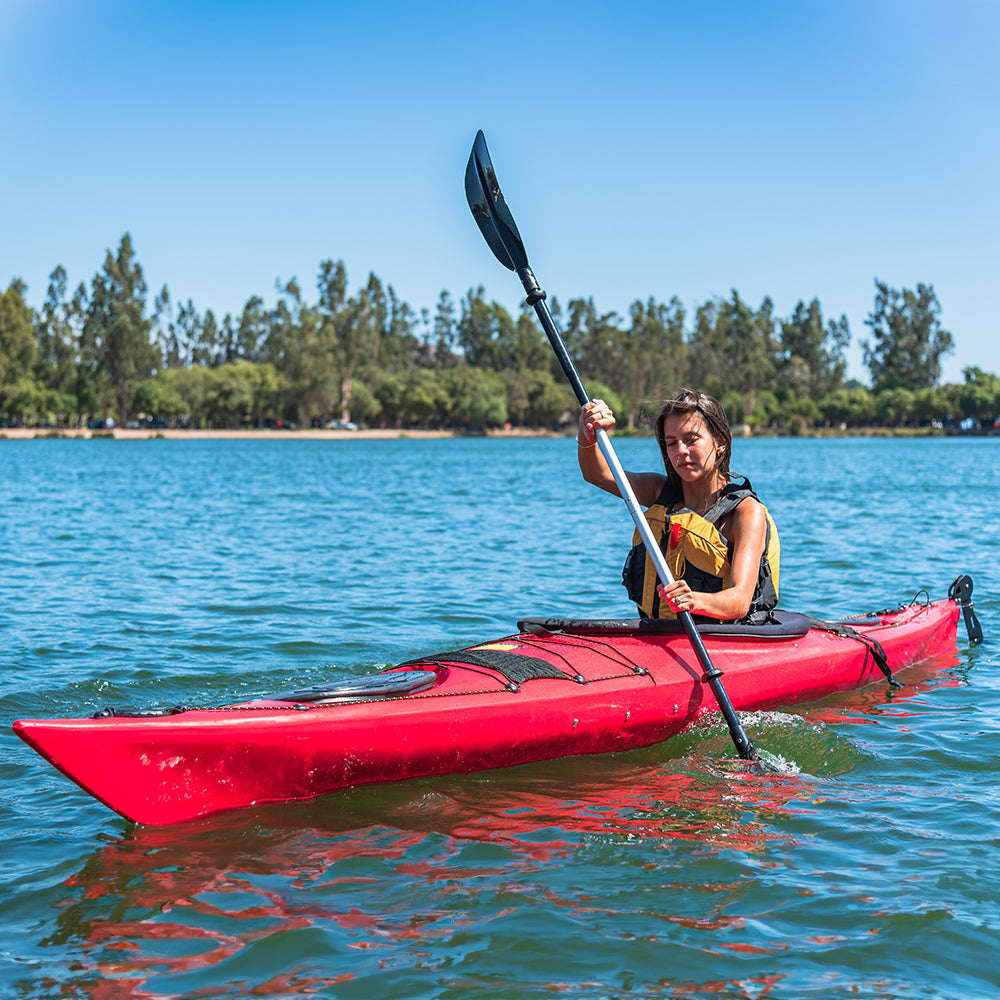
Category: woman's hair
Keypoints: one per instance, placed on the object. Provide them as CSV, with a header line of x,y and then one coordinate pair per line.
x,y
711,412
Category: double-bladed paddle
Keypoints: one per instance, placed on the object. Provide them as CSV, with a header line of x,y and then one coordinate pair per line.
x,y
500,231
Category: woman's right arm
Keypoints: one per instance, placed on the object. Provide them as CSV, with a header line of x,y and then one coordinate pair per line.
x,y
596,416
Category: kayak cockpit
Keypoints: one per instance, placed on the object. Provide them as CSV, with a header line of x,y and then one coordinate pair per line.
x,y
785,624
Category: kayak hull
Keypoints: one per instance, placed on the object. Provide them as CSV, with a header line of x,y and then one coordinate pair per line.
x,y
591,692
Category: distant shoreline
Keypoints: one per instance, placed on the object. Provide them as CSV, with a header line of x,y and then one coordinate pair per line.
x,y
307,434
322,434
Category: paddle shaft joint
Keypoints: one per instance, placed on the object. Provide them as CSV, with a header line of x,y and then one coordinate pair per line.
x,y
536,299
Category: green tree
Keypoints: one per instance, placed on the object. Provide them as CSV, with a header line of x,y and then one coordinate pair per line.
x,y
536,399
895,407
269,389
251,334
186,333
227,341
308,359
192,385
767,409
209,349
159,397
655,353
799,414
339,345
396,344
278,347
908,341
528,348
25,399
116,329
979,396
231,394
165,332
733,350
355,330
599,345
20,392
811,356
17,333
445,332
850,407
365,407
934,405
477,397
485,331
415,398
56,356
426,399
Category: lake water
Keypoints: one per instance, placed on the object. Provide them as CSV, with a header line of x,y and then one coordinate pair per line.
x,y
155,572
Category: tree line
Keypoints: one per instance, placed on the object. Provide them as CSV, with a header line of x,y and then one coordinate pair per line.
x,y
104,351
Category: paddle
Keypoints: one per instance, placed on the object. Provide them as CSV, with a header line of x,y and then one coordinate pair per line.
x,y
482,190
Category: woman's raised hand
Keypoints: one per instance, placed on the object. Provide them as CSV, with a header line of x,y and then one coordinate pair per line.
x,y
595,416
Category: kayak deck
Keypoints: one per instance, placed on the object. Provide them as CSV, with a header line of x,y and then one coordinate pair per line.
x,y
554,689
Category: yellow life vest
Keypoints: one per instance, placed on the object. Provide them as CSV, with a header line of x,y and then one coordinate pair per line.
x,y
698,553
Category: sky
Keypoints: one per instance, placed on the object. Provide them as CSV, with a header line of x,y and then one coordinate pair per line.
x,y
795,149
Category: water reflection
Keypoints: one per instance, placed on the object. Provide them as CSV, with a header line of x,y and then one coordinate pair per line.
x,y
376,869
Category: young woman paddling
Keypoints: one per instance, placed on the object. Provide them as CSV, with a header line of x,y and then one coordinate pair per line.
x,y
718,538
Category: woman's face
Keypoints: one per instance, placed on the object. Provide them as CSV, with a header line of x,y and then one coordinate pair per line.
x,y
691,449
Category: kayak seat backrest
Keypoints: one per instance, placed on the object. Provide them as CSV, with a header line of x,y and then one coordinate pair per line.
x,y
786,624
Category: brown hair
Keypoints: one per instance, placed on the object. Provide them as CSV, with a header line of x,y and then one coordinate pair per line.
x,y
711,412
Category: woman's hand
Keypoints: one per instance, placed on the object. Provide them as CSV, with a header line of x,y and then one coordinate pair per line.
x,y
595,416
678,596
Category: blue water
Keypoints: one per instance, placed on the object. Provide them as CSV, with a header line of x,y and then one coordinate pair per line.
x,y
155,572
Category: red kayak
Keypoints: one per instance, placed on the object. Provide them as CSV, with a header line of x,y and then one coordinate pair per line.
x,y
558,688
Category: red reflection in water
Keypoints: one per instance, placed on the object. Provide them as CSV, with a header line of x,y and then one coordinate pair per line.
x,y
867,706
154,902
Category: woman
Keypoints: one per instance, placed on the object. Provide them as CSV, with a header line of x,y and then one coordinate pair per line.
x,y
718,538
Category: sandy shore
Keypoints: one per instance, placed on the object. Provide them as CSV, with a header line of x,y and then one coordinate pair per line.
x,y
308,434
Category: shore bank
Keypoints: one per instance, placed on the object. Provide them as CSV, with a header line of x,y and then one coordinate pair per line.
x,y
307,434
321,434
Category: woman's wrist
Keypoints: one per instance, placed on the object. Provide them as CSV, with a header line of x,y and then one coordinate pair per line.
x,y
585,447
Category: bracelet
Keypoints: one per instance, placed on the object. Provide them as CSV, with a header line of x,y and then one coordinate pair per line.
x,y
585,447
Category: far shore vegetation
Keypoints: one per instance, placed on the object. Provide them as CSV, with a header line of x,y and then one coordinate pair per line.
x,y
103,355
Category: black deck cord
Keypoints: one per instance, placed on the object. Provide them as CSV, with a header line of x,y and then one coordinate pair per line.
x,y
515,667
877,652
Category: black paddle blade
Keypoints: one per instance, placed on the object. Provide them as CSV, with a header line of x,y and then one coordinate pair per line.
x,y
489,209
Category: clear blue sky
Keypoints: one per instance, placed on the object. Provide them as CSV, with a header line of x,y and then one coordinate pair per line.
x,y
791,148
